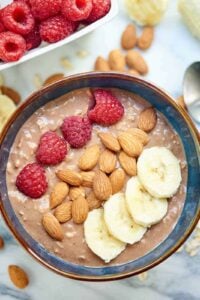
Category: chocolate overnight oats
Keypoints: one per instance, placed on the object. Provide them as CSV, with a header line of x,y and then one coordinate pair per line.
x,y
98,177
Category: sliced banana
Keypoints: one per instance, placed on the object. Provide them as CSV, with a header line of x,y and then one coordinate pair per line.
x,y
119,222
144,209
159,172
7,107
99,239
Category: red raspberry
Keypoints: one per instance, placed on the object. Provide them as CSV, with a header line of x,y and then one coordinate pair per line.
x,y
43,9
33,39
12,46
31,181
55,29
99,10
107,110
52,149
77,131
2,28
76,10
24,1
17,18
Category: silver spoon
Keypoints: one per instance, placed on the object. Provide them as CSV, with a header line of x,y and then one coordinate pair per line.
x,y
191,90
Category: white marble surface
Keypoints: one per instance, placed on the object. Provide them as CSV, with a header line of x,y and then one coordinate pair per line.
x,y
176,279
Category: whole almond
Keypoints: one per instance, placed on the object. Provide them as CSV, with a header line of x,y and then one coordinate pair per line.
x,y
107,161
130,145
134,60
58,194
1,243
18,276
146,38
147,119
63,212
80,210
69,176
75,192
128,163
89,158
93,202
53,78
109,141
11,93
52,227
139,134
116,60
87,178
102,186
101,64
129,37
117,179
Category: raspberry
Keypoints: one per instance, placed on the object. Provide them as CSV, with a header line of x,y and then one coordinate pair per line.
x,y
33,39
12,46
99,10
76,10
55,29
77,131
43,9
2,28
31,181
17,18
52,149
107,110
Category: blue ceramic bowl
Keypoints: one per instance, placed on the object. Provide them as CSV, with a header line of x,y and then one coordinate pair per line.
x,y
181,123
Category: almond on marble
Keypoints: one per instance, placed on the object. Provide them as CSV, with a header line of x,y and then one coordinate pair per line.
x,y
63,212
59,193
75,192
139,134
93,202
146,38
134,60
18,276
116,60
117,179
53,78
147,119
128,163
107,161
132,147
80,209
129,37
69,176
101,64
11,93
109,141
102,186
87,178
52,227
89,158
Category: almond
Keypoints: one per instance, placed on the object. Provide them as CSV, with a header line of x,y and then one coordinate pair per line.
x,y
1,243
134,60
89,158
116,60
58,194
52,227
107,161
87,178
117,179
109,141
102,186
139,134
63,212
146,38
133,72
147,119
80,210
69,176
129,37
75,192
101,64
11,93
18,276
128,164
53,78
93,202
132,147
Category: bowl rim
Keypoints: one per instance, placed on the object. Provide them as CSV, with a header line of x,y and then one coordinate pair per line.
x,y
103,75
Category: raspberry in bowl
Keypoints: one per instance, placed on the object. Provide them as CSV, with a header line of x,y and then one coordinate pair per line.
x,y
102,176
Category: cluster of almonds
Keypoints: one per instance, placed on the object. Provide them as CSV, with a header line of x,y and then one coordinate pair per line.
x,y
102,182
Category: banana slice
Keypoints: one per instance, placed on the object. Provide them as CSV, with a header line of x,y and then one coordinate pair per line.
x,y
119,222
98,238
7,107
159,172
144,209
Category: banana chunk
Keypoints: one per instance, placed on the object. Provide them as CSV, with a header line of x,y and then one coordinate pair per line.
x,y
159,172
144,209
99,239
7,107
119,222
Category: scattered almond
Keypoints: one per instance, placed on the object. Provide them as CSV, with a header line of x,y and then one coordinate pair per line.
x,y
132,147
80,210
63,212
146,38
147,119
116,60
89,158
87,178
93,202
139,134
117,179
58,194
128,163
1,243
11,93
107,161
102,186
53,78
135,61
18,276
129,37
75,192
101,64
181,102
52,227
109,141
69,176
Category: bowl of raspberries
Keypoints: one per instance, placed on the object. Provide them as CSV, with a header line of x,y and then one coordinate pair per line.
x,y
29,28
